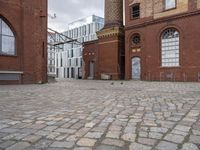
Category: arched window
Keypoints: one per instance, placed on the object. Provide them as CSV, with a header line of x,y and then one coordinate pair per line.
x,y
7,39
170,48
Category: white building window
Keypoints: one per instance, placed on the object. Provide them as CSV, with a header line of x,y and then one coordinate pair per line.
x,y
170,48
169,4
7,39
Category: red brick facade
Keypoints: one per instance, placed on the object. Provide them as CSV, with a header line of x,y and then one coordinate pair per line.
x,y
150,25
150,31
28,21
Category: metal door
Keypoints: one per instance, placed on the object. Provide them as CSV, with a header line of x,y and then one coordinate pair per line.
x,y
136,68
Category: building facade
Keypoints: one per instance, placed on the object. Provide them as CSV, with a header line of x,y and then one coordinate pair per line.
x,y
23,40
161,41
69,58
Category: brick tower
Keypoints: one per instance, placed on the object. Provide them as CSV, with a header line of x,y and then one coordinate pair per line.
x,y
111,41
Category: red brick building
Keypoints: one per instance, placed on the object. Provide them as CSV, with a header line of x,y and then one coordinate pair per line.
x,y
104,58
161,41
23,41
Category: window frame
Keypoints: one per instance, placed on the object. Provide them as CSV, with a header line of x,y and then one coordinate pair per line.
x,y
131,11
2,19
170,46
134,36
167,9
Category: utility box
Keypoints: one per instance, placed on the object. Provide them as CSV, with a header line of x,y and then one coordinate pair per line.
x,y
105,77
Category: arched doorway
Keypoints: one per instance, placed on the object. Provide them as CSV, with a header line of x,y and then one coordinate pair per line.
x,y
136,68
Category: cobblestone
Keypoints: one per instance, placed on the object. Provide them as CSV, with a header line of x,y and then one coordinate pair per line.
x,y
19,146
86,142
113,142
166,146
58,144
136,146
189,146
95,115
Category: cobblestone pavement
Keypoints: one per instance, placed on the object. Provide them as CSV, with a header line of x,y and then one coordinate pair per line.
x,y
100,115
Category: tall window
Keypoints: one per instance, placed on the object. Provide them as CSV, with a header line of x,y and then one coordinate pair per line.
x,y
135,11
170,48
169,4
7,39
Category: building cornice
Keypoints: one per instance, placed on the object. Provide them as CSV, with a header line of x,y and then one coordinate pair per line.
x,y
112,31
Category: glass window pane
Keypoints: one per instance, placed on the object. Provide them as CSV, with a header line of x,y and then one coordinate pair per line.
x,y
170,48
6,29
170,4
8,45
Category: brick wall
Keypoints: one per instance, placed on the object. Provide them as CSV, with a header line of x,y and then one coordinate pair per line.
x,y
154,9
28,19
150,53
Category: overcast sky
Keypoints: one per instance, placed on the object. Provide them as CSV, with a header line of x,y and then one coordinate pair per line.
x,y
68,11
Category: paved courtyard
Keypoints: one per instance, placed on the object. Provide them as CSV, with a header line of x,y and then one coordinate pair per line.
x,y
100,115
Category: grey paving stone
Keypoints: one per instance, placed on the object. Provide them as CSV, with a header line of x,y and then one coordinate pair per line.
x,y
155,135
107,147
158,129
86,142
182,128
194,139
115,128
113,134
147,141
137,146
32,138
129,137
130,129
9,130
143,134
58,144
178,132
166,146
53,135
196,132
113,142
90,125
42,144
19,146
3,126
63,130
174,138
50,128
189,146
94,135
6,144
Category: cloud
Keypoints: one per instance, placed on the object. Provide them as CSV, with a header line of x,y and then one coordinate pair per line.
x,y
68,11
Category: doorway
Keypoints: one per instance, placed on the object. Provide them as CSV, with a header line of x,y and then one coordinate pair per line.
x,y
136,68
91,70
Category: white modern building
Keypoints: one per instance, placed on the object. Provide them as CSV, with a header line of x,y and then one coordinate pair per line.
x,y
68,61
51,55
52,39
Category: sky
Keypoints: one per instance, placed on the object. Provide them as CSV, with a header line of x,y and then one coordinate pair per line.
x,y
68,11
